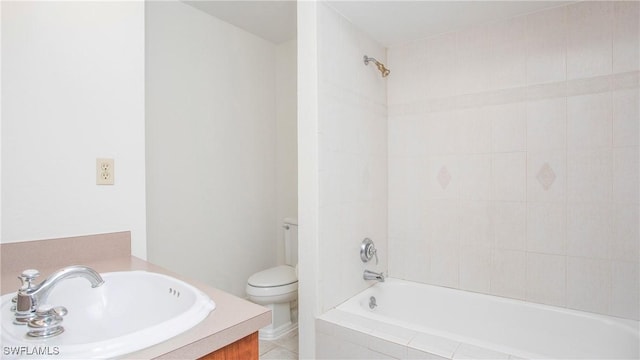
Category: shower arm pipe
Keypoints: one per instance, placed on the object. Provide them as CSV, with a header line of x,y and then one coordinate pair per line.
x,y
385,72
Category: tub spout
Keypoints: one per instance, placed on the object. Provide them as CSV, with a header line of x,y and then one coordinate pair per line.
x,y
371,275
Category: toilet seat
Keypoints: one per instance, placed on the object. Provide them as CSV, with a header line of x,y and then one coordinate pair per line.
x,y
276,291
279,280
275,276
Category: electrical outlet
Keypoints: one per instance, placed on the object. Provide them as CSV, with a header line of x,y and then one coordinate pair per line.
x,y
104,171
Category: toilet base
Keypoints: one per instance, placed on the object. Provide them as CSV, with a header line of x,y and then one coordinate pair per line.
x,y
281,323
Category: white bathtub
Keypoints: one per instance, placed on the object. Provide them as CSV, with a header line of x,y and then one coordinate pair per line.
x,y
414,320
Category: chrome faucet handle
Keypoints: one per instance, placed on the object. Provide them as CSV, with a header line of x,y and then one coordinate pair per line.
x,y
27,278
368,250
22,303
48,310
47,322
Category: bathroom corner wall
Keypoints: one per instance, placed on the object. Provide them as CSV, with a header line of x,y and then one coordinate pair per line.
x,y
211,147
513,158
352,150
286,139
308,179
72,91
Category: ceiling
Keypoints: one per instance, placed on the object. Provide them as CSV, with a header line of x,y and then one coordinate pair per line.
x,y
271,20
388,22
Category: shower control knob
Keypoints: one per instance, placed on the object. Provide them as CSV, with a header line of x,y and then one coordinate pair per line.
x,y
368,250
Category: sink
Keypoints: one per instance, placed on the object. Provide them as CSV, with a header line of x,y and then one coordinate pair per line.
x,y
132,310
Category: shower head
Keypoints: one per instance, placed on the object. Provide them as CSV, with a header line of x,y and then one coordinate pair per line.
x,y
385,72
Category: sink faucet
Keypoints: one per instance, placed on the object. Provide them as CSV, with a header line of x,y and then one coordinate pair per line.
x,y
31,296
371,275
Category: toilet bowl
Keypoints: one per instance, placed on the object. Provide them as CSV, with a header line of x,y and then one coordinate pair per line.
x,y
277,287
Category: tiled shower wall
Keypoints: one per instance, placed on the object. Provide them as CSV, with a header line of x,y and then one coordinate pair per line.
x,y
352,144
513,158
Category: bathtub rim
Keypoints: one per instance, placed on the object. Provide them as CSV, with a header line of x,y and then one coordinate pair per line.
x,y
335,314
624,322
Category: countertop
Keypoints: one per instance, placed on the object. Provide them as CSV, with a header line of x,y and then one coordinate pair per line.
x,y
233,318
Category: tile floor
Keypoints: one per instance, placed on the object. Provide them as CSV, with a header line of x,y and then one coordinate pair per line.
x,y
285,348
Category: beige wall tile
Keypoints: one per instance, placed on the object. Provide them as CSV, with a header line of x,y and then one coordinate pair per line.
x,y
508,273
626,37
547,176
625,287
546,46
508,127
626,175
506,56
547,124
440,69
546,228
546,276
475,267
589,121
626,117
589,175
509,176
625,243
475,176
589,29
445,262
589,227
523,143
589,284
471,60
510,225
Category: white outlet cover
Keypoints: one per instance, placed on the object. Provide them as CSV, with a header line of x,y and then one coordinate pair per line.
x,y
105,171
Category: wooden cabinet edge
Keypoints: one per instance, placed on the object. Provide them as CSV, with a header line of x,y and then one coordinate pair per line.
x,y
243,349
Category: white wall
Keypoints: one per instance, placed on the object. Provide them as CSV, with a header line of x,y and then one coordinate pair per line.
x,y
342,147
72,91
352,146
513,158
211,147
286,138
309,303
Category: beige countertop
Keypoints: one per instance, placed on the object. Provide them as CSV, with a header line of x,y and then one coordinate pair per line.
x,y
233,318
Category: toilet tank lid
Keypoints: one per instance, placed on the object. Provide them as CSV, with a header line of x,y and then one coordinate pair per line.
x,y
291,221
276,276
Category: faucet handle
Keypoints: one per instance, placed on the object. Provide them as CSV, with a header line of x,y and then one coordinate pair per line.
x,y
27,277
368,250
46,322
48,310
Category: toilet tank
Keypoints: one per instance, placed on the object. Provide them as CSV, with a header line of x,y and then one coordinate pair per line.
x,y
291,241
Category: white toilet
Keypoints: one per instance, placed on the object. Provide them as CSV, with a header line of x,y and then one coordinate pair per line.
x,y
277,287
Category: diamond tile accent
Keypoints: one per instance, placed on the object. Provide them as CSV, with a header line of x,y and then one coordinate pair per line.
x,y
444,178
546,176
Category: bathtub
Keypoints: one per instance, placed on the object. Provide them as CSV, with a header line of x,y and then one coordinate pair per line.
x,y
417,321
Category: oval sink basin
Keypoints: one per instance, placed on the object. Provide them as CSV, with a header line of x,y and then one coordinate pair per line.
x,y
132,310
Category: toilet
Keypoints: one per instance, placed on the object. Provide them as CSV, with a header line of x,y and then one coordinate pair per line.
x,y
277,287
